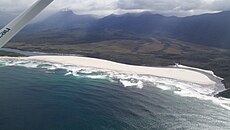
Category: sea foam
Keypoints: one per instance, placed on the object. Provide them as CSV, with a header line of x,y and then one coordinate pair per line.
x,y
181,88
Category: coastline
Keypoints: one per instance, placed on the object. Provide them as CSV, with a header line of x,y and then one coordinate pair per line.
x,y
178,73
192,82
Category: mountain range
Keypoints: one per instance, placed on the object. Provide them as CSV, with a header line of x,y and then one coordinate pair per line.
x,y
63,20
207,29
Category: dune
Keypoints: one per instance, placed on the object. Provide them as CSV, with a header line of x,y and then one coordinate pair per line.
x,y
177,73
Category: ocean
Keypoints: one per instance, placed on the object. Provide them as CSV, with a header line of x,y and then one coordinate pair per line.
x,y
48,96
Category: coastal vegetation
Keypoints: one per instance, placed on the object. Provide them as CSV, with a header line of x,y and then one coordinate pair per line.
x,y
11,54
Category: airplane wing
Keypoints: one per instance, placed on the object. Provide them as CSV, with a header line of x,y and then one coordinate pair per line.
x,y
10,30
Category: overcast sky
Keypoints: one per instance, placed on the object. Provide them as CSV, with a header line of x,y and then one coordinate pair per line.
x,y
105,7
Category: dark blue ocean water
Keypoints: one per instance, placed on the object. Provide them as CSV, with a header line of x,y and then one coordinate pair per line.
x,y
42,99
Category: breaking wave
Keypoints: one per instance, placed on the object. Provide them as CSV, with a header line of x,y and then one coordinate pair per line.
x,y
181,88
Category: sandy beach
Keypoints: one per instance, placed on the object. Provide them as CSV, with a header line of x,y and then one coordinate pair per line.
x,y
166,72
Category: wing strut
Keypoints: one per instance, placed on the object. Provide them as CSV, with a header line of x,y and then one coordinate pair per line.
x,y
10,30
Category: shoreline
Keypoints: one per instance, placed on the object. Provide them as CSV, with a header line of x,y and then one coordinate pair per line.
x,y
192,82
178,73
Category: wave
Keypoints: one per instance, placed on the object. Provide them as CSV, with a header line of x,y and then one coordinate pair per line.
x,y
181,88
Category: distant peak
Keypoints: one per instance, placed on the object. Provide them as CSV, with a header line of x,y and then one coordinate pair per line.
x,y
66,11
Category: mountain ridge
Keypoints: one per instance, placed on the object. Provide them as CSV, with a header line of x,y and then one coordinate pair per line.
x,y
206,29
62,20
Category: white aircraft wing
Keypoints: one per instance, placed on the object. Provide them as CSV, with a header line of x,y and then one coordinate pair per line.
x,y
10,30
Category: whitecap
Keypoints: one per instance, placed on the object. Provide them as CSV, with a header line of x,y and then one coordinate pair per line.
x,y
97,76
163,87
127,83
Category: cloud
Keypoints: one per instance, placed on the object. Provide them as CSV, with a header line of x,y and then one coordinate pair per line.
x,y
13,5
105,7
176,7
220,5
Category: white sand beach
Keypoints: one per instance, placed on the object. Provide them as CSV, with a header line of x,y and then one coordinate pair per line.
x,y
166,72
